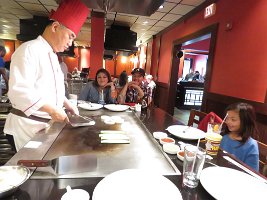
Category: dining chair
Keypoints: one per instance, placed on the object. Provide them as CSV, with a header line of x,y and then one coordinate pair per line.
x,y
263,158
195,117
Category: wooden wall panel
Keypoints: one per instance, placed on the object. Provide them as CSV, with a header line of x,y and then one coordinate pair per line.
x,y
161,96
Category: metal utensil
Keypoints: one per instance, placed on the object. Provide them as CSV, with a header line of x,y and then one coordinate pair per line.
x,y
186,129
78,120
65,164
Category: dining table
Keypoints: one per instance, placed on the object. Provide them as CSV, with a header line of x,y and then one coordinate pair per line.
x,y
142,151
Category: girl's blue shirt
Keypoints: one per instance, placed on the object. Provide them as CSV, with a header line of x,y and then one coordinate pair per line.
x,y
247,153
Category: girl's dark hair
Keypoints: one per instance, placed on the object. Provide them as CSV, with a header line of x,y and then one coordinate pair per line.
x,y
247,120
123,78
104,71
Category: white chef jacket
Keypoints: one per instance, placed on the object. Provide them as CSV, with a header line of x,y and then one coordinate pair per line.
x,y
35,79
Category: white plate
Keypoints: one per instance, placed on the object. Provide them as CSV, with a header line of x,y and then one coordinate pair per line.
x,y
12,177
186,133
226,183
90,106
133,184
116,107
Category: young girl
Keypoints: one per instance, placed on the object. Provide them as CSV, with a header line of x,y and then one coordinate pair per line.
x,y
241,126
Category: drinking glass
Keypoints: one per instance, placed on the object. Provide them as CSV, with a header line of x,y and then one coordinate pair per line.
x,y
194,158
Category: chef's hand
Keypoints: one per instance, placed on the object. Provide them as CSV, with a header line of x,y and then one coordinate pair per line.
x,y
59,115
73,110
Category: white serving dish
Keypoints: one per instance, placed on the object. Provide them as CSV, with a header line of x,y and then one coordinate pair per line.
x,y
171,148
159,135
180,157
166,140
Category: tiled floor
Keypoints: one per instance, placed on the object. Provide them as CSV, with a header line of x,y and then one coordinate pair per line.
x,y
181,115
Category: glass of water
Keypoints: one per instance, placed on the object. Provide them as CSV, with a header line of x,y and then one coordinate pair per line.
x,y
101,97
194,159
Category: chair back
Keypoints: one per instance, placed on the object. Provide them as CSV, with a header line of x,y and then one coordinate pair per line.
x,y
195,117
263,158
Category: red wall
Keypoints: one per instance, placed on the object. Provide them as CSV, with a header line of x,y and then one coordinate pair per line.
x,y
239,51
72,62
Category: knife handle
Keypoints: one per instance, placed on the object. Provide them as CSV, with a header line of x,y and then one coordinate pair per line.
x,y
34,163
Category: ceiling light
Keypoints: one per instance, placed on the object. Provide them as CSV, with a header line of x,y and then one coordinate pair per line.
x,y
161,7
145,22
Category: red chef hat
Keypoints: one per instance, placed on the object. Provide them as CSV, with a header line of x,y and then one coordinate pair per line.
x,y
71,13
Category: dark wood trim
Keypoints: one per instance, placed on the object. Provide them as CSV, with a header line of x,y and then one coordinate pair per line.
x,y
212,29
97,14
260,108
163,85
173,78
160,95
157,67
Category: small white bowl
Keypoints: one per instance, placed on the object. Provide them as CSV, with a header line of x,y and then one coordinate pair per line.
x,y
180,155
159,135
171,148
166,140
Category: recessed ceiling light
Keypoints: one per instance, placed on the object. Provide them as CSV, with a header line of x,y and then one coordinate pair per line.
x,y
161,7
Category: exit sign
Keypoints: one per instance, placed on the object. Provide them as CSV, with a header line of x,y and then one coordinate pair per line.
x,y
210,10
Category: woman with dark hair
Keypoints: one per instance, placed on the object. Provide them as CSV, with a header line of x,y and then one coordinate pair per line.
x,y
240,127
101,85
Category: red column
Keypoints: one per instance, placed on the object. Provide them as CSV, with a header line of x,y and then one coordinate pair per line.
x,y
97,42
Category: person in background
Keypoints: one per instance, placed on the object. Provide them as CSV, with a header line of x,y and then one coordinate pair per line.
x,y
123,79
240,127
36,91
102,84
189,76
150,82
65,71
136,91
198,77
3,72
76,73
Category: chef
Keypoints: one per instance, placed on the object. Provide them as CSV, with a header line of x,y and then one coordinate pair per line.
x,y
36,85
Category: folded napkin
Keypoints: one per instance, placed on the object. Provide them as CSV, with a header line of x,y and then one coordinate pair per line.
x,y
210,118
